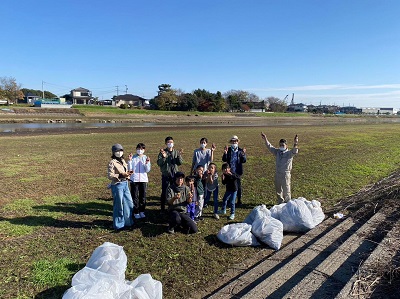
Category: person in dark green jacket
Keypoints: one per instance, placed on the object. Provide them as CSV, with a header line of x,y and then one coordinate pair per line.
x,y
168,160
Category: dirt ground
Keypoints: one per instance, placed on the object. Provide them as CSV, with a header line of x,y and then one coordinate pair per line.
x,y
379,194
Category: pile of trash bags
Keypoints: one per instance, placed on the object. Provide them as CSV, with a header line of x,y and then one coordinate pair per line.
x,y
104,277
267,226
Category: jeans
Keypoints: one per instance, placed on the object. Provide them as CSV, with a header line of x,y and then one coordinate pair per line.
x,y
122,206
239,192
215,196
231,196
138,191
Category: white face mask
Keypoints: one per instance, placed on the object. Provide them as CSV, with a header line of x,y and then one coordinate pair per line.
x,y
202,145
140,151
118,154
282,148
170,145
234,146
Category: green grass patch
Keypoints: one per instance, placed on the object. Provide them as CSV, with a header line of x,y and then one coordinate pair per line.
x,y
47,273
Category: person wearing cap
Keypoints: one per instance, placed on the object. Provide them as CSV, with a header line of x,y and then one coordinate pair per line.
x,y
168,160
119,175
284,159
235,157
178,196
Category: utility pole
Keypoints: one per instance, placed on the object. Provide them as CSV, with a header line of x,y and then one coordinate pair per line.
x,y
42,90
126,89
117,89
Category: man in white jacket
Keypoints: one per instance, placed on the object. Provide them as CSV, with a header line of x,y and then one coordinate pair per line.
x,y
284,158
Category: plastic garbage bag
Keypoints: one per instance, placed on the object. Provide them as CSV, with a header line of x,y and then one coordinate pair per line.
x,y
104,288
104,277
276,210
316,211
145,287
269,231
237,234
296,217
257,213
109,258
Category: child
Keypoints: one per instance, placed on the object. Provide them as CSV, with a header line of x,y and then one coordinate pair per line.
x,y
198,183
191,203
202,156
230,179
212,187
140,165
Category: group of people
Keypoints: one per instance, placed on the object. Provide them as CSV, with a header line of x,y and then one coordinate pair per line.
x,y
184,197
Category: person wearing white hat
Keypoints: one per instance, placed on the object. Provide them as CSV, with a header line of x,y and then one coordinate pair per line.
x,y
235,157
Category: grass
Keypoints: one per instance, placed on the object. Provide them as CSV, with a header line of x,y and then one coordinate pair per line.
x,y
55,208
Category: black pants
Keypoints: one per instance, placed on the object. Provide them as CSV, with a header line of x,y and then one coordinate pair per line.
x,y
165,183
183,220
138,192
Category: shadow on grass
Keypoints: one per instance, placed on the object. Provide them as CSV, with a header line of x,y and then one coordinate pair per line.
x,y
50,221
54,292
89,208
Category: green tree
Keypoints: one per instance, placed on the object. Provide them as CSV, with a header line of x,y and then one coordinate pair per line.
x,y
166,99
39,93
188,102
236,98
10,90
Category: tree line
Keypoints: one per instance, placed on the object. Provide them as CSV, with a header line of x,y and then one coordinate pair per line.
x,y
170,99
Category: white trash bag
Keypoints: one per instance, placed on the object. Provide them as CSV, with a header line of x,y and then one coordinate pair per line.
x,y
296,217
276,210
237,234
145,287
257,213
316,211
269,231
104,277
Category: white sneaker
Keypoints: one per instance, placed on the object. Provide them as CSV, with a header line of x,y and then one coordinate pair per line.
x,y
137,216
142,215
216,216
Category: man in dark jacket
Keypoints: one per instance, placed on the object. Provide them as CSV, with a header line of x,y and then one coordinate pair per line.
x,y
235,157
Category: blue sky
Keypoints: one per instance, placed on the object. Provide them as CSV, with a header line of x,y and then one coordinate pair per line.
x,y
343,52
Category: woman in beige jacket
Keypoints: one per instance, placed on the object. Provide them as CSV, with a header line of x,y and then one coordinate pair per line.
x,y
119,175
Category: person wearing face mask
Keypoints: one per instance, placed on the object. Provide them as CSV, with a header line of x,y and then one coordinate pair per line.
x,y
235,157
284,159
140,165
168,160
119,175
202,155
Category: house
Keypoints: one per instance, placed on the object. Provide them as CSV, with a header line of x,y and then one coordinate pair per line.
x,y
256,106
81,96
388,111
129,99
370,110
297,107
29,98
